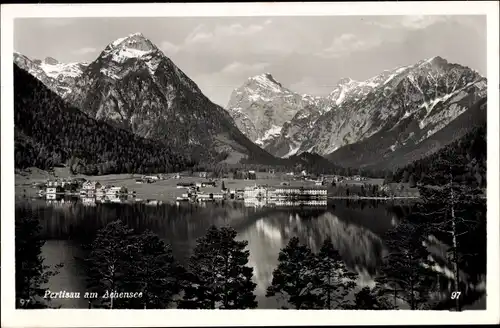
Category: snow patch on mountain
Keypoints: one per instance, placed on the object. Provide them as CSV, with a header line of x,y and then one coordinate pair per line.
x,y
73,70
293,150
125,53
274,131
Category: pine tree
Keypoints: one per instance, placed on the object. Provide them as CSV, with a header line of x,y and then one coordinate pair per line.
x,y
293,279
447,207
405,272
31,273
218,276
152,271
332,280
108,262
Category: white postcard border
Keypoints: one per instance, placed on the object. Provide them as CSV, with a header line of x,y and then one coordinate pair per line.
x,y
126,318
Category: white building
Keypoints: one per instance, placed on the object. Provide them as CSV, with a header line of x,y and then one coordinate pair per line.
x,y
54,190
255,192
91,185
116,191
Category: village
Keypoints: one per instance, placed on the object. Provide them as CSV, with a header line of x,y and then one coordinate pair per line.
x,y
270,188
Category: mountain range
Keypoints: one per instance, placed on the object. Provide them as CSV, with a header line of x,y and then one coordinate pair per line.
x,y
387,121
133,86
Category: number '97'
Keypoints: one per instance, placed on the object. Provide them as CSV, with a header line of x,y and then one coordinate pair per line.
x,y
24,302
455,295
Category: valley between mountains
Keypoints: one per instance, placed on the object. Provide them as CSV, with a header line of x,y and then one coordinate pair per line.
x,y
133,110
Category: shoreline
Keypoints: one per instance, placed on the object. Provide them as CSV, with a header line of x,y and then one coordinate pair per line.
x,y
372,198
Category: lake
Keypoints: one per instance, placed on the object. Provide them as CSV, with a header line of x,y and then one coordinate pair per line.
x,y
356,229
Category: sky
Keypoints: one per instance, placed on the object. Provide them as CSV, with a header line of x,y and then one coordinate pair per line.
x,y
305,54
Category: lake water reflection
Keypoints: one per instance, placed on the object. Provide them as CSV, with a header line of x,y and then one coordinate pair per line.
x,y
355,230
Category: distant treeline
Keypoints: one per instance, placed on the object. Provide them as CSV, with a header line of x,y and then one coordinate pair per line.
x,y
468,154
361,191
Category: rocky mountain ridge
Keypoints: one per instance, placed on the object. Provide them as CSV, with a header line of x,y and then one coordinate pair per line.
x,y
58,77
134,86
417,100
261,107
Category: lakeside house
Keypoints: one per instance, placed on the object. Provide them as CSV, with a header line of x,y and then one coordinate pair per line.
x,y
63,182
256,192
54,190
299,192
210,197
286,192
116,191
91,186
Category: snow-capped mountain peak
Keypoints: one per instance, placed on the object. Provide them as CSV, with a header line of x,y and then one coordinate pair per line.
x,y
135,40
134,46
436,60
262,105
59,77
265,81
429,94
50,61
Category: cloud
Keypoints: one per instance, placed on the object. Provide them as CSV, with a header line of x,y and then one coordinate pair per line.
x,y
420,22
85,50
169,48
415,22
201,34
233,40
246,69
348,43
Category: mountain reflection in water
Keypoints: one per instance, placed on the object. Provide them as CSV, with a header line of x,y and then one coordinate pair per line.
x,y
355,230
